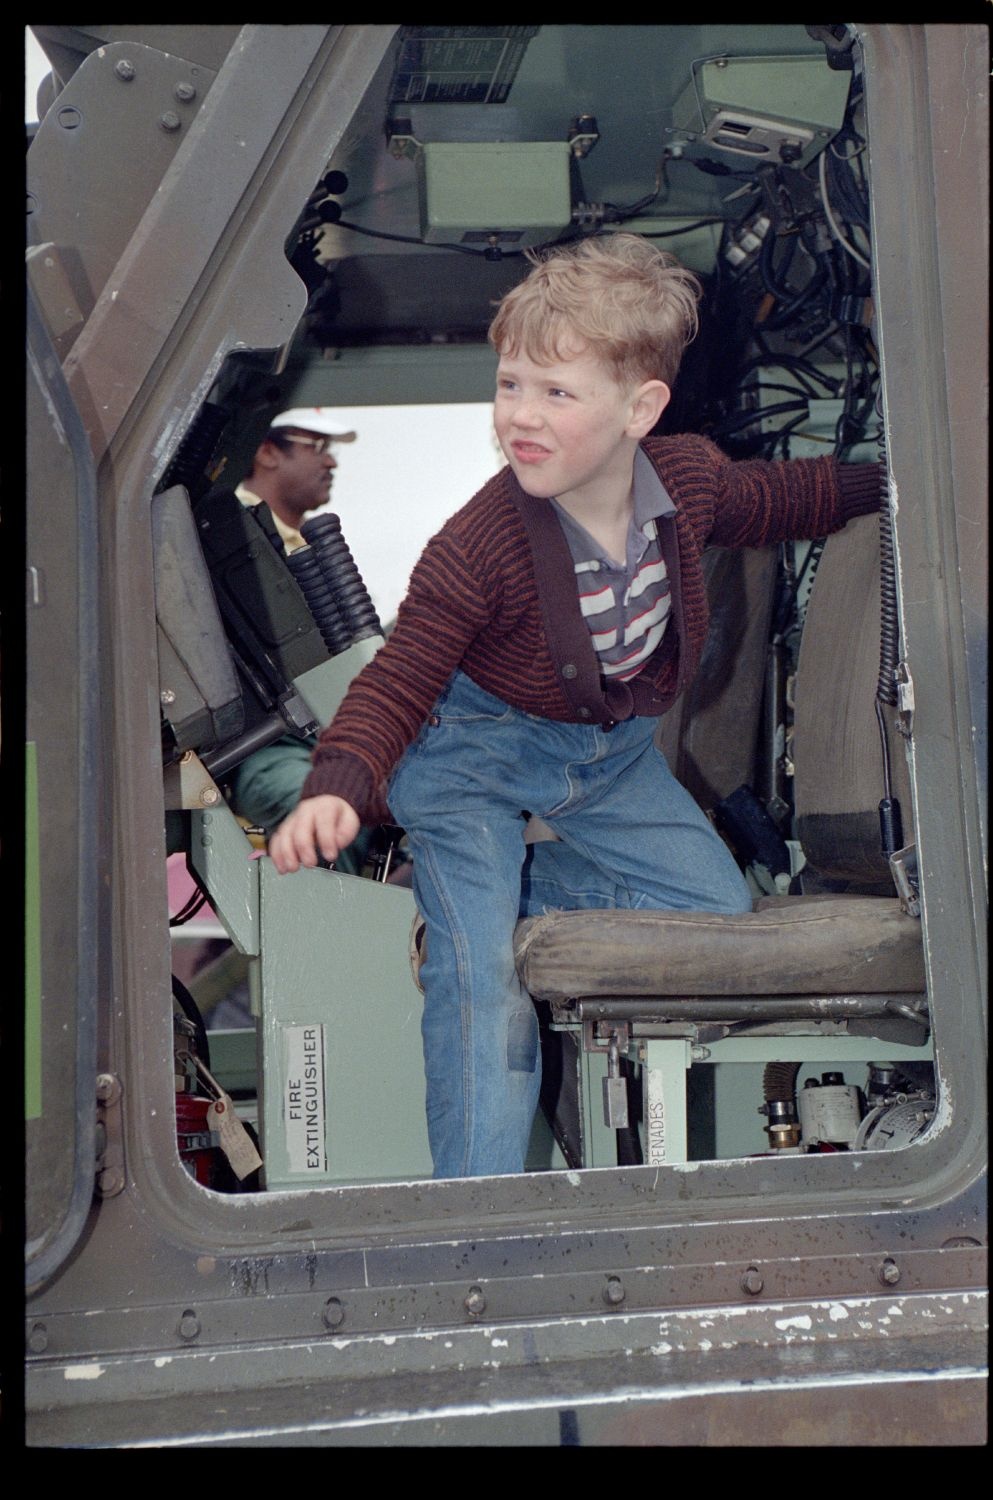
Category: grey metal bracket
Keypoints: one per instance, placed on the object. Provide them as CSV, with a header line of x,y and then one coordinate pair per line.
x,y
905,699
188,784
904,867
600,1035
110,1137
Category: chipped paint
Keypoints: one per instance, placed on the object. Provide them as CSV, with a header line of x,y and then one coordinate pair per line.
x,y
801,1322
84,1372
837,1313
164,1359
573,1178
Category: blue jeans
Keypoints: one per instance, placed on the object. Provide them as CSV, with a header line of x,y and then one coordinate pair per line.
x,y
632,837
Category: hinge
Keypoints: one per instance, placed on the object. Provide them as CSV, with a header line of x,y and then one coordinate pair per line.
x,y
904,699
600,1034
905,877
110,1137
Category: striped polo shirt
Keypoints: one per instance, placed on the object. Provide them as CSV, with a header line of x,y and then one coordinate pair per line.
x,y
625,605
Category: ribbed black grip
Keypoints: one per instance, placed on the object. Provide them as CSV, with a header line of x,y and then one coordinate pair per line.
x,y
323,532
306,569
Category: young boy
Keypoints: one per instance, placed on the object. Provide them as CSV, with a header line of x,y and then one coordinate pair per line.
x,y
547,626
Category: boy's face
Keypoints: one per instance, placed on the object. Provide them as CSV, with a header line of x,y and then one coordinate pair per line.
x,y
569,430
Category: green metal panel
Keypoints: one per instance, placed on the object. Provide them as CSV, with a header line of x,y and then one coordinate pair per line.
x,y
800,89
516,186
222,857
343,1076
323,687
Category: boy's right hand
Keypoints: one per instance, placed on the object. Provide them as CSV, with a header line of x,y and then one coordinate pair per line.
x,y
317,828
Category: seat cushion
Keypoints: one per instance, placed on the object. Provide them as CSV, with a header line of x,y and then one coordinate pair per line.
x,y
820,945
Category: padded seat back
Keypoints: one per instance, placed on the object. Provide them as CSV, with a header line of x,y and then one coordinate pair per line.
x,y
836,748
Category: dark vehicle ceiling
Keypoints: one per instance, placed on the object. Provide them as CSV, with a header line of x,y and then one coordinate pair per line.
x,y
626,77
489,83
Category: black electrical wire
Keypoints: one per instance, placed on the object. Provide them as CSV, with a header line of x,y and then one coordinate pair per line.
x,y
668,234
795,363
408,239
785,315
890,821
791,390
774,287
496,252
191,1011
841,430
810,562
844,192
748,419
783,435
190,909
661,180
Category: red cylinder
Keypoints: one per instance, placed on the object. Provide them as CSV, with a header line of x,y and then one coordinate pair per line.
x,y
193,1137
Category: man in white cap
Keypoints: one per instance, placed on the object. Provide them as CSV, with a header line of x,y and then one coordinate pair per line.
x,y
292,473
293,467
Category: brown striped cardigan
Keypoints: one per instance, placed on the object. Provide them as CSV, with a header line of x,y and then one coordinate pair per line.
x,y
494,593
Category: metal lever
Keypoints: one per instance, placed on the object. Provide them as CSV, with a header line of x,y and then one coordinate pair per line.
x,y
615,1091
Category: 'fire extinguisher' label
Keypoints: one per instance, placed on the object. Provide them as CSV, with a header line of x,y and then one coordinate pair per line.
x,y
304,1101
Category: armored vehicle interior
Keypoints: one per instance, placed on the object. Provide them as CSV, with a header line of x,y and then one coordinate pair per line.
x,y
366,277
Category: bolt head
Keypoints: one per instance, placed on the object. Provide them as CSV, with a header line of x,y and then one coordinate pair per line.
x,y
209,796
613,1292
889,1273
189,1324
170,121
475,1302
752,1281
334,1313
124,70
185,92
38,1338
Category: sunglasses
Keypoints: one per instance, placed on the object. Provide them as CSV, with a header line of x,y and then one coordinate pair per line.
x,y
321,445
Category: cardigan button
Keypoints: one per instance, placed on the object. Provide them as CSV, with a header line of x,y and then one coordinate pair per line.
x,y
433,720
569,671
584,713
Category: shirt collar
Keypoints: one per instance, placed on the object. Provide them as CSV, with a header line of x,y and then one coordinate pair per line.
x,y
649,494
291,538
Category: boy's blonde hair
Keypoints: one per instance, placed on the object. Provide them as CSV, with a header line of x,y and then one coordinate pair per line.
x,y
633,305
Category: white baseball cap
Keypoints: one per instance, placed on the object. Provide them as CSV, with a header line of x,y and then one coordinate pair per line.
x,y
320,419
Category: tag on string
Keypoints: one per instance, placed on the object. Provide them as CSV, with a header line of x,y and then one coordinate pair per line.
x,y
233,1139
